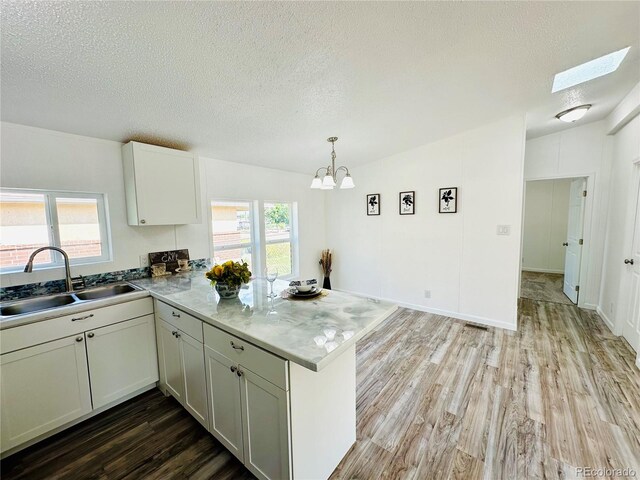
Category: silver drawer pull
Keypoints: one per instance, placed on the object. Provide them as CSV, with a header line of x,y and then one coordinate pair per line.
x,y
237,347
82,318
79,339
174,314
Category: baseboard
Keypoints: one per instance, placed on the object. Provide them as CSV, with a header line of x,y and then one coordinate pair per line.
x,y
588,306
490,322
541,270
606,319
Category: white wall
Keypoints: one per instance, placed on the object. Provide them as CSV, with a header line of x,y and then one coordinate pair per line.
x,y
546,210
583,151
625,169
45,159
472,273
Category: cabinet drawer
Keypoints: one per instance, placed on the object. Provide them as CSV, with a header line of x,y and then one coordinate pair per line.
x,y
179,319
25,336
268,366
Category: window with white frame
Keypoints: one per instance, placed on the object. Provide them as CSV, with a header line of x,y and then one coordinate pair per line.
x,y
232,231
272,241
279,244
30,219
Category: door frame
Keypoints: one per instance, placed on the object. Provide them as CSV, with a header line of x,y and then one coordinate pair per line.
x,y
587,231
618,327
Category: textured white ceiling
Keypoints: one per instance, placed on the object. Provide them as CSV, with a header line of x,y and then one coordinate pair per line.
x,y
265,83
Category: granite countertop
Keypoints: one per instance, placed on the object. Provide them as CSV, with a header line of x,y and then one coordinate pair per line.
x,y
297,330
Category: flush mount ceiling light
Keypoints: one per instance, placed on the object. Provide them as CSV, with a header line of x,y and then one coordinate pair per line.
x,y
589,70
329,179
573,114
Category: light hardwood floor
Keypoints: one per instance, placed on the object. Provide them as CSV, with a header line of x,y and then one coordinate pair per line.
x,y
437,399
543,286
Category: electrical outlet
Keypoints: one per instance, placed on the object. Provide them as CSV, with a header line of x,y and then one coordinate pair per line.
x,y
427,294
504,230
144,261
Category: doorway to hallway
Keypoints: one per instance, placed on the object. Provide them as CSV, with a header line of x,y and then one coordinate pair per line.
x,y
553,239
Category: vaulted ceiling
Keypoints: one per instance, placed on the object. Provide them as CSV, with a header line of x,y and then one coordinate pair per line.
x,y
266,83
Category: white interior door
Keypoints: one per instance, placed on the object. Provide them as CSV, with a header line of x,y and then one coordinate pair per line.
x,y
631,327
574,239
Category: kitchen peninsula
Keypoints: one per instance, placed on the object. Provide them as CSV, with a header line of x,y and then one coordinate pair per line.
x,y
280,389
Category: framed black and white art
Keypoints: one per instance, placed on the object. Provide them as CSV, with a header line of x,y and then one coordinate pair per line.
x,y
373,204
448,200
407,203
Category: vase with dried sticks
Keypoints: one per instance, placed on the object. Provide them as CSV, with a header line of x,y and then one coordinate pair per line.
x,y
325,262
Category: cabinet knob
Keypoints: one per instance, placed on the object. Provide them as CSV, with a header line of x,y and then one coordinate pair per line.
x,y
143,221
174,333
79,339
565,244
177,335
236,347
239,372
174,314
628,261
91,335
233,368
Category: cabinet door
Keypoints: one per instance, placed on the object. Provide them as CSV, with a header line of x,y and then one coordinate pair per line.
x,y
122,359
195,386
167,185
42,388
171,377
224,402
265,411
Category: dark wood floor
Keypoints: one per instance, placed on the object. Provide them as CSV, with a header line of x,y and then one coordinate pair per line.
x,y
437,399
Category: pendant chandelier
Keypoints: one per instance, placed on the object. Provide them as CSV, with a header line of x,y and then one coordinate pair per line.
x,y
330,176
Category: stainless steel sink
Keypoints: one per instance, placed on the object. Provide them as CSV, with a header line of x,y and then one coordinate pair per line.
x,y
36,304
105,292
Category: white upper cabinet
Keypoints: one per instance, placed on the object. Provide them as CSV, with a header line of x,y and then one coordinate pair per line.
x,y
162,185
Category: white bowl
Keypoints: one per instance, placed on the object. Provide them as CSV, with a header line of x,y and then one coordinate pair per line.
x,y
304,286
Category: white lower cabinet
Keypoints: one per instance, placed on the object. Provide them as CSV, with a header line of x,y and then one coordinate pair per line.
x,y
122,359
249,414
265,414
182,370
48,381
224,402
42,388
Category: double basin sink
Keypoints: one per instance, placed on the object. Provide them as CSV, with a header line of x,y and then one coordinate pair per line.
x,y
36,304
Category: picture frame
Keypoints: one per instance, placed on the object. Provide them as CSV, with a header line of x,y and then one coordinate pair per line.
x,y
448,200
407,202
373,204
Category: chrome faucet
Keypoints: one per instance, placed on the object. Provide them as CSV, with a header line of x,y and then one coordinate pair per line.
x,y
28,268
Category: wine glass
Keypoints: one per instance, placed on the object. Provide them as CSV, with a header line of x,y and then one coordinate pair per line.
x,y
271,274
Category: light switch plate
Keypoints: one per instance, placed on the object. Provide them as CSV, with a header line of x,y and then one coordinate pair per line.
x,y
504,230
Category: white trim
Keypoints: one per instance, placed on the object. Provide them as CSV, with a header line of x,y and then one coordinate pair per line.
x,y
490,322
606,319
638,361
541,270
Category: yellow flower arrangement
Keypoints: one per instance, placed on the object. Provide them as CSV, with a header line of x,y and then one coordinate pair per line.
x,y
230,272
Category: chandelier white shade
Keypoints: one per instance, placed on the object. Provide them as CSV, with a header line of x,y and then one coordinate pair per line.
x,y
330,173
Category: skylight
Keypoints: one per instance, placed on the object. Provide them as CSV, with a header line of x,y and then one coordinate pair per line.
x,y
588,71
